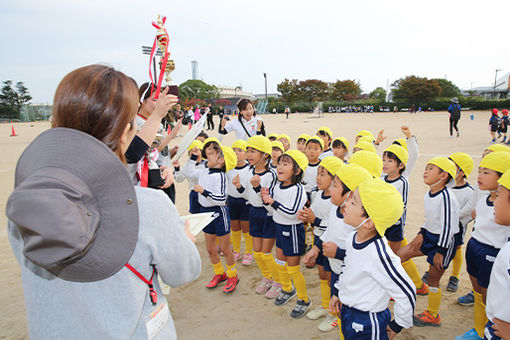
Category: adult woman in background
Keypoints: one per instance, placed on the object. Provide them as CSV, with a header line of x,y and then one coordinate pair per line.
x,y
91,245
247,123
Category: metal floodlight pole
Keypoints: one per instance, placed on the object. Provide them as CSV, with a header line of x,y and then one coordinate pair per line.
x,y
265,82
495,78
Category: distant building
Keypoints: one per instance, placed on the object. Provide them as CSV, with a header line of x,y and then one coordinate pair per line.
x,y
233,92
502,89
194,69
269,95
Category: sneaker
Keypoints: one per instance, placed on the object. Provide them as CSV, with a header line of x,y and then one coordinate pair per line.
x,y
300,310
458,134
471,334
467,300
247,259
274,291
217,279
231,284
263,286
453,284
317,313
425,277
284,297
237,256
424,290
328,324
426,319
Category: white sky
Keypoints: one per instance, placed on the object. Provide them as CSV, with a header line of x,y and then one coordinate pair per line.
x,y
235,42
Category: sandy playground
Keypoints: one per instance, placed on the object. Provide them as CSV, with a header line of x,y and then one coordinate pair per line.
x,y
200,313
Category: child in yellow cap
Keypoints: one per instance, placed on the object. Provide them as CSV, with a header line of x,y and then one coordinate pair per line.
x,y
369,160
487,238
317,215
277,151
272,137
363,145
340,147
363,133
301,141
285,140
436,238
411,145
195,160
372,273
314,146
326,135
238,207
498,293
287,198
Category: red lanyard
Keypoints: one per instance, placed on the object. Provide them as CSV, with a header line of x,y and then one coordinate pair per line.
x,y
152,293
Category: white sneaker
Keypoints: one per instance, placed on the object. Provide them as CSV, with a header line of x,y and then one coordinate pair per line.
x,y
317,313
328,324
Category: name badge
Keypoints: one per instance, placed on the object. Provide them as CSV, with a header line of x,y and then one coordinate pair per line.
x,y
157,319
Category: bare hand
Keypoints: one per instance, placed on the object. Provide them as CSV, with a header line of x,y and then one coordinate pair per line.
x,y
406,131
259,125
390,332
334,305
236,181
311,256
175,163
188,232
501,328
167,175
173,151
306,215
196,151
255,181
164,103
198,188
473,214
329,249
264,193
438,261
416,242
380,137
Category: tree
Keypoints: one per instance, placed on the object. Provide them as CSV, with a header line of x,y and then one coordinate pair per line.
x,y
313,90
195,88
345,90
448,89
12,99
415,89
289,90
379,93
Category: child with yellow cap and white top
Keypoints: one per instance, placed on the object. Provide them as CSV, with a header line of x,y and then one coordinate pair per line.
x,y
285,140
195,161
326,135
372,273
487,238
498,293
313,149
340,148
287,198
371,161
436,238
277,151
301,141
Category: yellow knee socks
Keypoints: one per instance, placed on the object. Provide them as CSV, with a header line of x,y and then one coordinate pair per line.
x,y
235,237
434,300
218,268
480,318
299,282
231,270
411,269
248,243
261,264
271,266
284,275
339,323
457,263
325,294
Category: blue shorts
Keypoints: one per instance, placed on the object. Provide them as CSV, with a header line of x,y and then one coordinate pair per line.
x,y
194,206
334,279
221,224
321,259
361,325
261,225
395,233
489,332
480,258
429,248
291,239
238,208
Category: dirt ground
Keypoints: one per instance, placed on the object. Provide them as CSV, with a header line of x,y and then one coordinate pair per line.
x,y
200,313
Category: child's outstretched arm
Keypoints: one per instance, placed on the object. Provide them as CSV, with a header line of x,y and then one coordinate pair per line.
x,y
189,168
412,149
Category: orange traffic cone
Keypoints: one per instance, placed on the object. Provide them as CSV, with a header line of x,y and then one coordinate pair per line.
x,y
13,133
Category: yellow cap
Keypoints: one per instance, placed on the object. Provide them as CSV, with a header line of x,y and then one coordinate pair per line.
x,y
230,158
331,164
399,151
273,135
369,160
444,164
382,202
316,139
365,133
343,140
299,157
277,144
498,147
327,130
352,175
304,136
196,144
505,180
260,143
402,142
211,139
463,161
498,161
285,137
239,144
365,146
365,139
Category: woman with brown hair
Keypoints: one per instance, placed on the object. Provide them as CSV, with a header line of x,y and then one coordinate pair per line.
x,y
248,123
90,245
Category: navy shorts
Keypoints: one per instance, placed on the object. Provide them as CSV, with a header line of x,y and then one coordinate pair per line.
x,y
480,258
321,259
238,208
429,248
261,224
361,325
395,233
291,239
489,332
334,279
194,206
221,224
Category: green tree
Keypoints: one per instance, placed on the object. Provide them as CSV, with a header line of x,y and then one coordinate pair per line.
x,y
378,93
448,89
195,88
289,90
416,89
313,90
12,99
344,90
